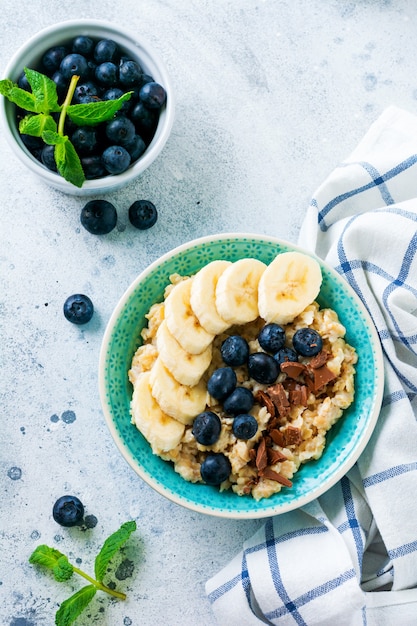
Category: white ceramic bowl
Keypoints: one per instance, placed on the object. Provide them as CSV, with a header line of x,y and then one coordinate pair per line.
x,y
30,54
345,441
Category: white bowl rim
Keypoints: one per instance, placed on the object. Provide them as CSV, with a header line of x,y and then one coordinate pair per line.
x,y
277,510
111,182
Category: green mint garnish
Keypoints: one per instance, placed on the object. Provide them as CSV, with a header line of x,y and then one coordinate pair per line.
x,y
41,102
62,570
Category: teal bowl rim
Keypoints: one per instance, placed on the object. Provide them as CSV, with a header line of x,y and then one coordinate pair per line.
x,y
234,506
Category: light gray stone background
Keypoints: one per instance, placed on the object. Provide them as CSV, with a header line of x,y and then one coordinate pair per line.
x,y
271,95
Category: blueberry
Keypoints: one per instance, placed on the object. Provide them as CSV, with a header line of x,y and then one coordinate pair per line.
x,y
143,214
135,148
48,157
244,426
85,89
272,338
206,428
221,383
74,65
263,368
61,83
68,511
153,95
116,159
286,354
215,468
99,217
241,400
23,82
93,166
105,50
120,130
235,350
144,119
53,57
83,45
106,73
129,73
113,94
307,342
78,309
84,139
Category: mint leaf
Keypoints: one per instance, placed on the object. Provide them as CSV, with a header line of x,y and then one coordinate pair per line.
x,y
111,546
22,98
68,162
52,137
94,113
44,91
36,125
63,569
71,608
46,556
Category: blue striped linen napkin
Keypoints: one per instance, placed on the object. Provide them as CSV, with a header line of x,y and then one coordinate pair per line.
x,y
350,557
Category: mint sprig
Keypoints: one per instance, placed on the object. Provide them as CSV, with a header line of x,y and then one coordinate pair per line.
x,y
42,102
62,570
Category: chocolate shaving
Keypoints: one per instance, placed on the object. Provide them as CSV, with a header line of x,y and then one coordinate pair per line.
x,y
299,395
275,456
292,436
279,398
320,359
293,369
266,401
261,456
322,376
277,437
279,478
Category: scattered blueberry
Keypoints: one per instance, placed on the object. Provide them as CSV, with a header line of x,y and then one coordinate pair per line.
x,y
272,338
68,511
235,350
221,383
78,309
244,426
99,217
116,159
241,400
206,428
286,354
263,368
215,468
307,342
153,95
143,214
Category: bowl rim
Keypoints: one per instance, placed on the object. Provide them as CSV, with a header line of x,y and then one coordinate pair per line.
x,y
143,49
273,510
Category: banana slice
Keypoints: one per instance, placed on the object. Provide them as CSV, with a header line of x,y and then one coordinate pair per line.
x,y
181,402
237,291
203,296
289,284
186,368
161,431
182,322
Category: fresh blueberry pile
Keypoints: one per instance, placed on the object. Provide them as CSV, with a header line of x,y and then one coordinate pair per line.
x,y
106,73
264,367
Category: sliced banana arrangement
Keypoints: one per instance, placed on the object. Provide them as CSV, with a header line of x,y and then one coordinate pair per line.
x,y
198,308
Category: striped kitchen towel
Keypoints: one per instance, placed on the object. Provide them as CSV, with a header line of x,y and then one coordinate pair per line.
x,y
350,557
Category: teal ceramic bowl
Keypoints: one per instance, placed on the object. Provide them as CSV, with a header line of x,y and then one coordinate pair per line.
x,y
346,440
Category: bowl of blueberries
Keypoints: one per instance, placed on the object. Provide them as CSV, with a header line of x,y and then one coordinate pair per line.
x,y
87,106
